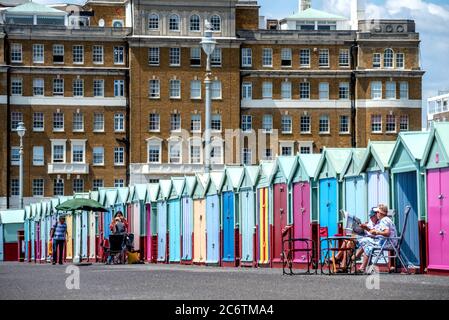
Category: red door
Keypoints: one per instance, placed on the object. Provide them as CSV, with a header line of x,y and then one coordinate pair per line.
x,y
301,219
279,218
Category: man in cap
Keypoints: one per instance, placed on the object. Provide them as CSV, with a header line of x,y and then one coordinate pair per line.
x,y
58,233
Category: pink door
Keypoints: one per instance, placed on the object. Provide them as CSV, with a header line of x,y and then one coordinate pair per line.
x,y
301,219
444,232
279,219
149,234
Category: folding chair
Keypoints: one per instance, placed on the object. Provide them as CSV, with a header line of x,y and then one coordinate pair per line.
x,y
391,245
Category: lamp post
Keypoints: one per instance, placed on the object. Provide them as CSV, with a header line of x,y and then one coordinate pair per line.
x,y
208,43
21,132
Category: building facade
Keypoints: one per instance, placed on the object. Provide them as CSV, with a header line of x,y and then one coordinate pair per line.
x,y
438,108
113,93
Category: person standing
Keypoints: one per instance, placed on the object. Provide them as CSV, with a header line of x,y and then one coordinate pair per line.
x,y
59,233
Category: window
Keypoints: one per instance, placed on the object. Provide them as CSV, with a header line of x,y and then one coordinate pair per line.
x,y
16,52
324,124
305,124
153,21
78,151
97,54
38,121
377,60
267,57
286,149
268,154
58,152
403,90
58,53
195,89
119,183
216,154
175,122
119,88
195,23
58,187
286,124
58,87
78,185
97,184
343,90
324,90
376,90
119,156
175,89
247,155
286,57
119,55
173,23
154,89
403,123
58,121
286,90
215,21
98,122
78,122
16,86
247,57
38,156
16,117
154,151
98,88
154,122
175,57
323,58
78,54
306,148
78,87
343,59
376,123
267,90
247,123
304,58
216,89
344,124
15,156
195,152
119,122
174,152
390,92
98,156
247,90
38,53
267,123
215,58
153,56
38,187
15,187
195,123
304,90
388,58
216,122
391,123
195,56
38,87
400,60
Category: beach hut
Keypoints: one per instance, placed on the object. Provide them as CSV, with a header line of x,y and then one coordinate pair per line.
x,y
263,216
137,214
199,219
37,233
69,220
187,219
11,223
47,211
354,185
408,190
247,202
151,222
32,234
27,232
43,232
93,233
162,212
230,215
330,191
80,230
110,200
281,183
305,204
174,220
436,163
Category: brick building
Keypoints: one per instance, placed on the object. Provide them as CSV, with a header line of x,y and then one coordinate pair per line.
x,y
111,92
438,108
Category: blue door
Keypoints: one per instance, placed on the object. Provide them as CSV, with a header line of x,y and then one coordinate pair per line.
x,y
328,208
248,224
106,222
161,230
212,229
228,226
355,197
174,225
407,192
187,228
33,237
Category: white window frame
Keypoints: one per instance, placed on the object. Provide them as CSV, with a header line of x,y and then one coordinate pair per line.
x,y
175,88
98,54
390,90
15,156
403,90
304,55
195,23
172,143
267,57
119,122
154,118
376,90
216,118
323,89
324,117
377,60
117,151
16,53
348,123
174,54
152,21
154,89
215,90
388,122
97,116
283,122
404,120
400,60
38,83
302,91
195,123
173,117
309,124
214,23
78,143
119,88
286,55
154,56
287,144
344,58
247,90
267,123
174,20
16,86
78,52
58,83
38,184
76,122
59,142
38,53
286,90
388,59
58,51
344,91
55,114
98,151
267,90
78,87
373,123
119,55
195,143
247,57
195,89
98,90
323,58
154,142
41,119
247,123
38,156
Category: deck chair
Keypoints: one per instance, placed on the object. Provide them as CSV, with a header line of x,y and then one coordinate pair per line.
x,y
390,248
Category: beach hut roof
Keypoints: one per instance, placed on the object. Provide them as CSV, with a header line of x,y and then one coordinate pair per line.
x,y
215,182
381,152
123,194
152,191
12,216
439,135
111,197
164,189
177,187
189,186
266,172
102,195
335,157
94,195
414,142
27,212
309,162
49,208
140,192
352,165
250,176
234,176
286,166
200,187
33,207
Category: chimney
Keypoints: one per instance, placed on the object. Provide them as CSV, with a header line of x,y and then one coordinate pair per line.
x,y
304,5
357,13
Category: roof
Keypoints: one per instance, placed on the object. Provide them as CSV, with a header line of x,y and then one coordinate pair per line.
x,y
12,216
440,132
414,142
189,186
111,197
356,158
235,175
153,189
309,162
287,165
178,186
252,172
140,192
33,7
123,194
314,14
165,188
217,178
381,152
336,157
266,172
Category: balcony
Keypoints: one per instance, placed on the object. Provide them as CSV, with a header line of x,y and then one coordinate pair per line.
x,y
68,168
168,169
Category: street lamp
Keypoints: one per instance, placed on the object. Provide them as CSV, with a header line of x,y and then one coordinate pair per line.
x,y
208,43
21,132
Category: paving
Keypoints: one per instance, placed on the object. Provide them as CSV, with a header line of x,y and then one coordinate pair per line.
x,y
155,281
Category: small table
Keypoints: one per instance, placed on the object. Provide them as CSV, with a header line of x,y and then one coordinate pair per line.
x,y
333,247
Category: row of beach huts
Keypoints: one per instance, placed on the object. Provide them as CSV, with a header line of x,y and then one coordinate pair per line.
x,y
236,216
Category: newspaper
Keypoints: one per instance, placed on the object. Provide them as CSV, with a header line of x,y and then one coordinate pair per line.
x,y
354,225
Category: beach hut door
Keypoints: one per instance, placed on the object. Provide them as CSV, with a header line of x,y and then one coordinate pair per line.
x,y
301,217
187,228
175,231
162,230
213,229
1,242
228,226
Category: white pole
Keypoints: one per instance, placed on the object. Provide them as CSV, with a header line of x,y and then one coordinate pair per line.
x,y
207,136
21,174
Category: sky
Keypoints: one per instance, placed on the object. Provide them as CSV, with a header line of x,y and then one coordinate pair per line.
x,y
431,17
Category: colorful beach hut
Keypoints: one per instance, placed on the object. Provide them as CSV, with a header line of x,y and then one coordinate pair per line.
x,y
11,223
162,212
137,214
27,233
151,223
80,230
93,234
199,219
174,220
187,219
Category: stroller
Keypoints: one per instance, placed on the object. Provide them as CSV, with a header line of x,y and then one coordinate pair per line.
x,y
119,245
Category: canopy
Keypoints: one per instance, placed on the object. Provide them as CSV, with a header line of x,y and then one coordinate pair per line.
x,y
81,204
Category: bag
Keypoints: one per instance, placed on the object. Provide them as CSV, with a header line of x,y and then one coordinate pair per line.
x,y
133,257
50,247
